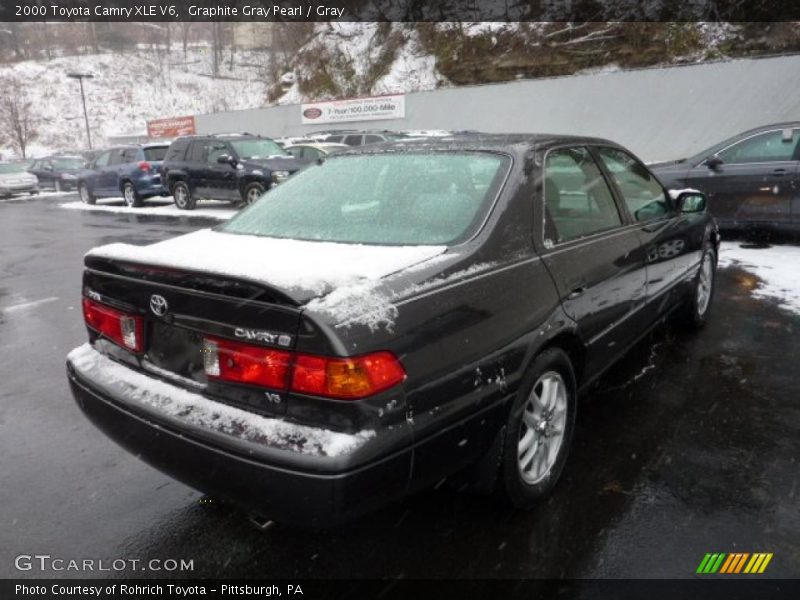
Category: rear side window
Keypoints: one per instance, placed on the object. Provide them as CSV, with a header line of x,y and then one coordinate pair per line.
x,y
155,153
116,156
353,140
578,201
129,155
334,139
177,150
372,139
197,153
641,191
772,146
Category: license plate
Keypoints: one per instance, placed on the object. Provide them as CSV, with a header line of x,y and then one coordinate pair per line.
x,y
176,350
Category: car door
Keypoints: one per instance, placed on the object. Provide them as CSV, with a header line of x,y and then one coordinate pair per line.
x,y
219,179
108,176
38,168
672,242
756,180
98,168
592,253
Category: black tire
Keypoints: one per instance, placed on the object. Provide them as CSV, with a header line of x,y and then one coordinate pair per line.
x,y
520,486
131,196
252,192
698,308
182,196
86,196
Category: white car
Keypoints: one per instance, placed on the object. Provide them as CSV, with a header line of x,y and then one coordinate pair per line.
x,y
14,179
314,150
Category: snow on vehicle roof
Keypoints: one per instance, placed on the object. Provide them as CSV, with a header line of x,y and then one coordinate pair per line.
x,y
177,404
292,265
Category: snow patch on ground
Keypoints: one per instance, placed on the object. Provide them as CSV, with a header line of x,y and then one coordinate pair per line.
x,y
191,408
320,267
162,207
775,266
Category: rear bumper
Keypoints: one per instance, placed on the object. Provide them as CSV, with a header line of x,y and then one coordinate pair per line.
x,y
300,494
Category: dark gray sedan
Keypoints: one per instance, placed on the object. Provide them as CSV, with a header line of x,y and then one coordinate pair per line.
x,y
751,180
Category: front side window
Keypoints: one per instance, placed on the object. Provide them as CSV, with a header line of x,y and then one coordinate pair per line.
x,y
641,191
353,140
772,146
257,148
215,150
578,201
102,160
371,199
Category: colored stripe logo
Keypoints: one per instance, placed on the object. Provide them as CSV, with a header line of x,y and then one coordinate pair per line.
x,y
734,563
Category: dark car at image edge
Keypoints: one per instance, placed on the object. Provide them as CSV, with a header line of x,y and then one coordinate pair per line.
x,y
379,333
751,180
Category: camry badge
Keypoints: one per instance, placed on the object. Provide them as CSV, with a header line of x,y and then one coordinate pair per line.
x,y
158,304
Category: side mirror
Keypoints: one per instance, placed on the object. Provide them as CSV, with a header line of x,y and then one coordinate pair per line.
x,y
691,201
712,162
49,168
225,159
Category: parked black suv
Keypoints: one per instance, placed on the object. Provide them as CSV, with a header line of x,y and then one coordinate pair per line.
x,y
224,167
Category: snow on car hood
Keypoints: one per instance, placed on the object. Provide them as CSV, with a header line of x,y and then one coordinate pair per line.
x,y
302,269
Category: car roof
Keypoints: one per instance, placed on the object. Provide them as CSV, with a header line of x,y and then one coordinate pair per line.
x,y
480,141
705,153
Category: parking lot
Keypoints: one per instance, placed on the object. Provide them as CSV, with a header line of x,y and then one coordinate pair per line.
x,y
688,446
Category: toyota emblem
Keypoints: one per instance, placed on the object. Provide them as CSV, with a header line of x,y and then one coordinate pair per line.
x,y
158,304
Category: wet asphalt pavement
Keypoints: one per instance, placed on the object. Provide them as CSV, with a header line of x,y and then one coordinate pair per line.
x,y
689,446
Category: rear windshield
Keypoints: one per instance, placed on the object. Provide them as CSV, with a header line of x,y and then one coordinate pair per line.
x,y
258,148
155,153
380,199
11,168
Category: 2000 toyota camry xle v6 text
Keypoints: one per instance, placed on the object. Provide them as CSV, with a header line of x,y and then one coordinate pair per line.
x,y
388,318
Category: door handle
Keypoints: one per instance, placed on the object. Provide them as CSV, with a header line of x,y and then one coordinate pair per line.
x,y
779,172
577,292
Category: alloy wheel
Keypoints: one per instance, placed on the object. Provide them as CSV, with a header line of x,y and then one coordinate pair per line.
x,y
541,434
704,283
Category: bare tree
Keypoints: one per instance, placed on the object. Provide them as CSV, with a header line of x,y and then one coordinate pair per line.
x,y
17,119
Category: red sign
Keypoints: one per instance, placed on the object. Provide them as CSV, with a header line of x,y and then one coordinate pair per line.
x,y
170,128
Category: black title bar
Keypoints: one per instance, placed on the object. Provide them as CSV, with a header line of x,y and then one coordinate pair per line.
x,y
398,10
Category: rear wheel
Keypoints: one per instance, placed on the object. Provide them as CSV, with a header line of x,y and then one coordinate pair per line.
x,y
699,307
252,192
539,430
183,196
86,196
131,196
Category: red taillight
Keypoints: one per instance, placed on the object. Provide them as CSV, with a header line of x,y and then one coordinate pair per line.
x,y
242,363
121,328
144,166
346,378
341,378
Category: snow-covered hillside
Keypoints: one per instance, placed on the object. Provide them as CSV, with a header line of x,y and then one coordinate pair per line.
x,y
129,89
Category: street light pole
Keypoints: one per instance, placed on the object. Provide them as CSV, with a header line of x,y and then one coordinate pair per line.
x,y
80,77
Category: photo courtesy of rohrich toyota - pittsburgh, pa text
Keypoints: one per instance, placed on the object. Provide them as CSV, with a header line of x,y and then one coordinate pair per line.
x,y
399,299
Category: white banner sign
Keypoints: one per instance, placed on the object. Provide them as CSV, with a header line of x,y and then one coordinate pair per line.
x,y
354,109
